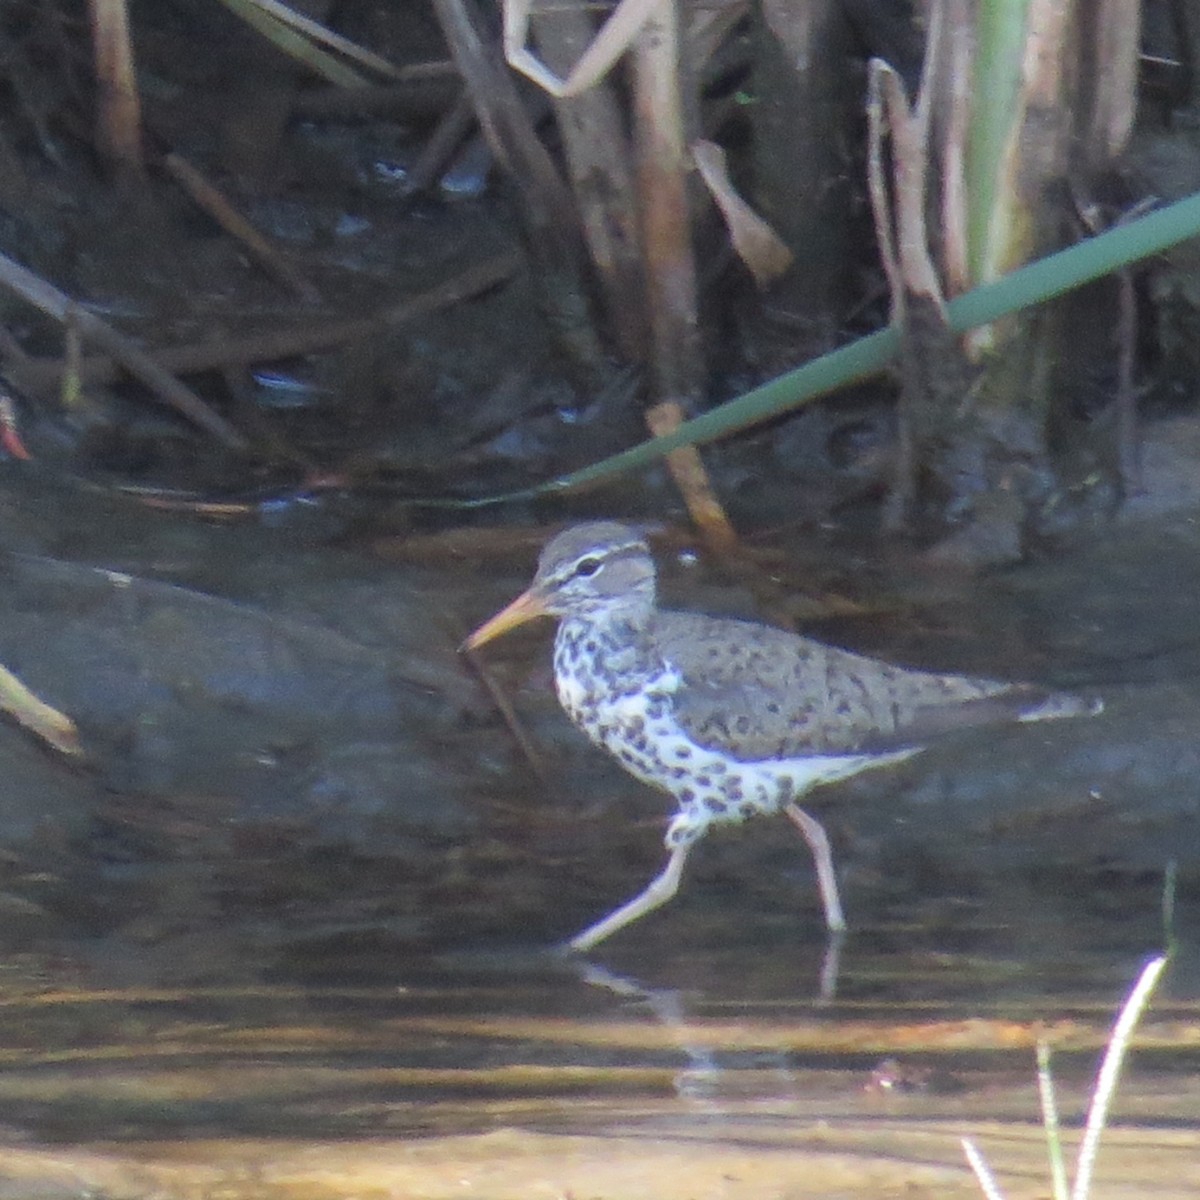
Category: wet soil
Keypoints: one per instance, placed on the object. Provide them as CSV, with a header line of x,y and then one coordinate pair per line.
x,y
287,733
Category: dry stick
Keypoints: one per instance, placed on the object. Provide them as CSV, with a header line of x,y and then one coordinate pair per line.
x,y
757,244
599,161
70,390
119,124
687,469
295,44
210,199
319,33
11,349
652,28
614,37
708,29
546,207
912,168
910,165
877,190
447,134
954,108
901,226
543,205
509,714
663,163
1129,445
903,489
1129,449
1116,30
36,715
284,343
166,387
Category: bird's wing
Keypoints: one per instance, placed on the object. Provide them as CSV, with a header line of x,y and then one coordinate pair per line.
x,y
755,692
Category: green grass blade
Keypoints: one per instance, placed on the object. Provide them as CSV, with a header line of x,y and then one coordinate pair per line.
x,y
1036,283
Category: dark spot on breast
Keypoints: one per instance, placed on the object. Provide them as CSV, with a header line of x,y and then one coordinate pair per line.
x,y
747,809
686,795
714,806
773,706
742,725
704,781
678,773
591,647
683,752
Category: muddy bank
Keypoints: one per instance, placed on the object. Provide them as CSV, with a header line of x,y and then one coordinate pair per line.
x,y
282,738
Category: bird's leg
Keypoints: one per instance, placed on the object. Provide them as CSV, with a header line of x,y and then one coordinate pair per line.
x,y
656,893
818,842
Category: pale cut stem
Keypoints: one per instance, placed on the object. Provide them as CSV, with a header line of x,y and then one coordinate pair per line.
x,y
656,893
1050,1123
818,842
1170,879
983,1173
1110,1069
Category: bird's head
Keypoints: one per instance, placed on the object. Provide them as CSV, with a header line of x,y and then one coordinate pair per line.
x,y
601,571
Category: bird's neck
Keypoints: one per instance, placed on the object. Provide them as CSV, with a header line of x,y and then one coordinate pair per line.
x,y
616,647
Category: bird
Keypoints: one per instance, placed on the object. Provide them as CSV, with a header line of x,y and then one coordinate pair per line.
x,y
733,718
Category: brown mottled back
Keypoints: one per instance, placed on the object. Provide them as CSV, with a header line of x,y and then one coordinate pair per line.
x,y
757,693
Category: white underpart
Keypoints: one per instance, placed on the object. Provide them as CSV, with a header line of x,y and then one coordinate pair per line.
x,y
763,787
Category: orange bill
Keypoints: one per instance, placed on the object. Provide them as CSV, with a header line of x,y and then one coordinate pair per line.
x,y
524,608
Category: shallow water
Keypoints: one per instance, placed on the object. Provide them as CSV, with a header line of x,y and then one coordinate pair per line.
x,y
687,1072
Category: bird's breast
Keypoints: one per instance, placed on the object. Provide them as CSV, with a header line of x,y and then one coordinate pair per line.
x,y
637,727
617,693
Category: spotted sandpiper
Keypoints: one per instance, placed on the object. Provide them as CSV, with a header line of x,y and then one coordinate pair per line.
x,y
733,718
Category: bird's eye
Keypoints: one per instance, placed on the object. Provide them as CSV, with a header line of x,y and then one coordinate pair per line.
x,y
586,567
